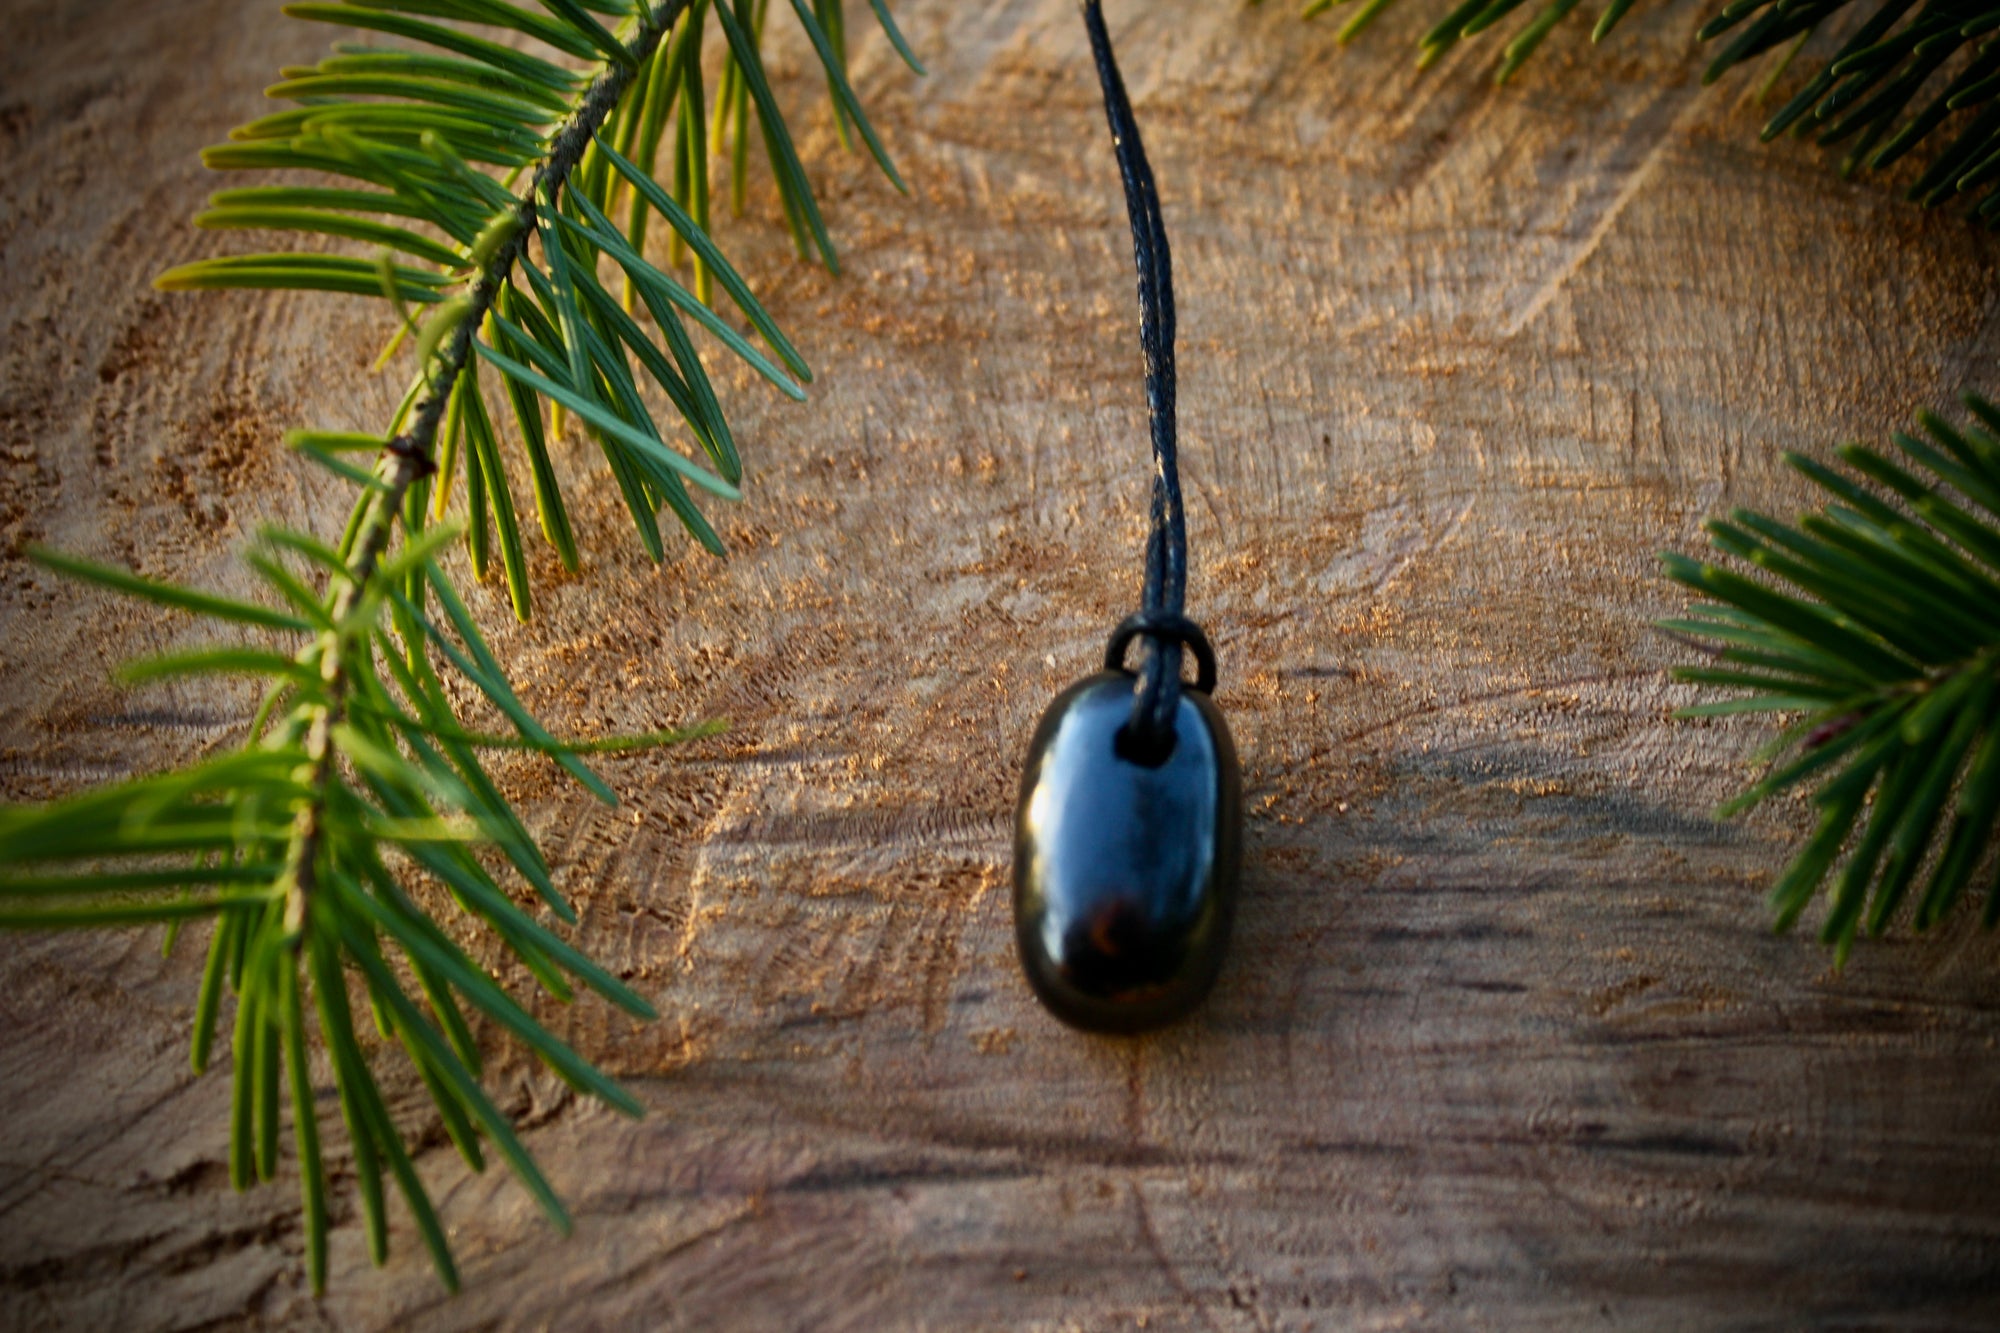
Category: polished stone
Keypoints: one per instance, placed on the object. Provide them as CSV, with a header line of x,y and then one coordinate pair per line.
x,y
1124,873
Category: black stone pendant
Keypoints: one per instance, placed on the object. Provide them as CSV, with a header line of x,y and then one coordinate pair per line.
x,y
1124,872
1129,831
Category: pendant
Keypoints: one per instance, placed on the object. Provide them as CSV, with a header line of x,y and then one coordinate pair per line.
x,y
1124,871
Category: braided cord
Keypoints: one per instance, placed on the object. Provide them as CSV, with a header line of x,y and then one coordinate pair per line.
x,y
1157,691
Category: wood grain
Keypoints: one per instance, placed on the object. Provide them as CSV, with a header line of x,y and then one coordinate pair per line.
x,y
1505,1041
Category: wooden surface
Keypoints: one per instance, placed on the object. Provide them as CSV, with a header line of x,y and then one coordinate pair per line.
x,y
1505,1041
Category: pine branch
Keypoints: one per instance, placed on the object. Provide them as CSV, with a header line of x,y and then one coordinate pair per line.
x,y
1881,640
357,772
1859,95
410,455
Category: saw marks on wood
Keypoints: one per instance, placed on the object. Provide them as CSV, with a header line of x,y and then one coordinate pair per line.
x,y
1504,1043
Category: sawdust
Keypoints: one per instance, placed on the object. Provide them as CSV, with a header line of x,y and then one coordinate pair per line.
x,y
1484,908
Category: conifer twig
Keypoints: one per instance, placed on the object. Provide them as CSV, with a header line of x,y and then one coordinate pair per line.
x,y
1874,625
357,771
409,455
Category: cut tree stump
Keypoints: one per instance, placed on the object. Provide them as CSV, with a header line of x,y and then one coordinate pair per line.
x,y
1505,1040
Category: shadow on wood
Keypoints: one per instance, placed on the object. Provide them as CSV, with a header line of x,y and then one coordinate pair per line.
x,y
1505,1041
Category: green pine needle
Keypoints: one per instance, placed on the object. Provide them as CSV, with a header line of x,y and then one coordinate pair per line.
x,y
1906,75
358,773
1877,623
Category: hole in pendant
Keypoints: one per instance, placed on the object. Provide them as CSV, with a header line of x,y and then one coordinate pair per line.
x,y
1145,751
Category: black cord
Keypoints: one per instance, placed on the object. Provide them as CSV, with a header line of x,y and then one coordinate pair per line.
x,y
1157,692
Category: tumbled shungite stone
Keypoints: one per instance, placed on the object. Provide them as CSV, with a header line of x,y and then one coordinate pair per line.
x,y
1125,873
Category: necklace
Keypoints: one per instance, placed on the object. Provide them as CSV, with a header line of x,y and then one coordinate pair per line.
x,y
1127,837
